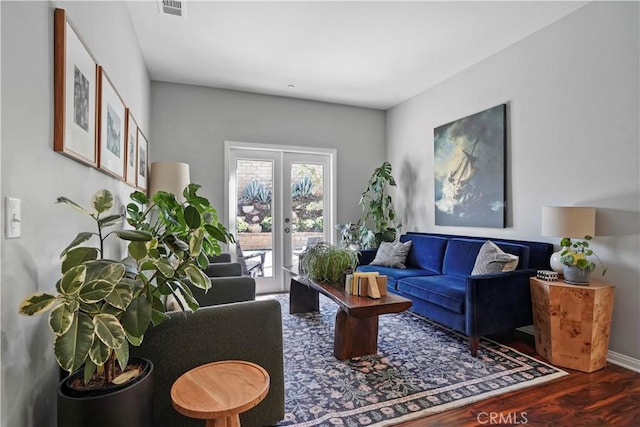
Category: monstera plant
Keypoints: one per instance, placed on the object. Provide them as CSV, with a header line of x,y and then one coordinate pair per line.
x,y
103,305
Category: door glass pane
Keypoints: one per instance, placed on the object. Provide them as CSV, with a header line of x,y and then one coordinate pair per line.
x,y
307,205
254,180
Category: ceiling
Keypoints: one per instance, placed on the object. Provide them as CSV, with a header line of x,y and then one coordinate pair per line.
x,y
372,54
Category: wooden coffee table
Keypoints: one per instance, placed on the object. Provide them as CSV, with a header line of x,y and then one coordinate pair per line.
x,y
218,392
356,329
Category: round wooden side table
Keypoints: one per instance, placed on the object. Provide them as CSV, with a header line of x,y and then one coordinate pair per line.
x,y
220,391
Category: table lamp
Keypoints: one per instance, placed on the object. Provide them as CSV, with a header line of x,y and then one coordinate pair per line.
x,y
563,221
171,177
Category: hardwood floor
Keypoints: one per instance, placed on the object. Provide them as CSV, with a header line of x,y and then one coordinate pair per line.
x,y
608,397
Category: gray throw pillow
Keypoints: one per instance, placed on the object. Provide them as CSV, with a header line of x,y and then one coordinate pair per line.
x,y
392,254
492,259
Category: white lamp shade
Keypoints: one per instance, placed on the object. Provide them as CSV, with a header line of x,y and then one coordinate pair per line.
x,y
171,177
568,221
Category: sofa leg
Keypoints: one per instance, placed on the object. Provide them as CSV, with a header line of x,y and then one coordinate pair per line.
x,y
474,343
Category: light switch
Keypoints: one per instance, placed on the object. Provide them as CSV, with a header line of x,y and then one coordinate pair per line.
x,y
12,217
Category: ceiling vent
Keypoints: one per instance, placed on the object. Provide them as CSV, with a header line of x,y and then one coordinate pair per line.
x,y
172,7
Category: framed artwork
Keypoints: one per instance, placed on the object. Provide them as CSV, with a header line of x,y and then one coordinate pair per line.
x,y
131,150
143,162
469,169
75,93
111,123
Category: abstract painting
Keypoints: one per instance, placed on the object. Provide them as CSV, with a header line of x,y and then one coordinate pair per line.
x,y
469,168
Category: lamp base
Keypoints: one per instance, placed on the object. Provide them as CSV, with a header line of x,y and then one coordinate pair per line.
x,y
555,261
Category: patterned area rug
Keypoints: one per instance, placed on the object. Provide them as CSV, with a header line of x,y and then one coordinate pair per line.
x,y
421,369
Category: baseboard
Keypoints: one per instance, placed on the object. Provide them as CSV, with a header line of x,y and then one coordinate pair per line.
x,y
612,357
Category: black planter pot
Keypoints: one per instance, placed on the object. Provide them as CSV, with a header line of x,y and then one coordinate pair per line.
x,y
130,404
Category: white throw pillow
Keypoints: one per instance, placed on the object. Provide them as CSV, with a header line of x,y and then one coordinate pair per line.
x,y
392,254
492,259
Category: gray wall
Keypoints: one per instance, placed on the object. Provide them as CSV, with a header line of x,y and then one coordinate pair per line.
x,y
191,123
573,111
32,172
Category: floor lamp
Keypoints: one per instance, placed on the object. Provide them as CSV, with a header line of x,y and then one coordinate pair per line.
x,y
561,221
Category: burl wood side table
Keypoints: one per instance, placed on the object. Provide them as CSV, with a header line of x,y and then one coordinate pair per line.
x,y
572,323
220,391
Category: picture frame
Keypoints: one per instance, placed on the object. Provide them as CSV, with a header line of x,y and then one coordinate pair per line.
x,y
131,150
142,166
75,76
470,170
111,125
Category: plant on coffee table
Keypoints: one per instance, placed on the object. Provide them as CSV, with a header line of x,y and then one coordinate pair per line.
x,y
325,262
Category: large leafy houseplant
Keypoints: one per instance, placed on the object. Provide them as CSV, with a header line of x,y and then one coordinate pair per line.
x,y
378,222
104,305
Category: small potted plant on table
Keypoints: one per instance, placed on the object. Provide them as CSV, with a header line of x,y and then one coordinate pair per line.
x,y
577,268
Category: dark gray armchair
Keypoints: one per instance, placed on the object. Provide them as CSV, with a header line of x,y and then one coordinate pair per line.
x,y
249,331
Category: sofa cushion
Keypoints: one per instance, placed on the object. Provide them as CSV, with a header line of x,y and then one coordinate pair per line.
x,y
394,274
427,252
492,259
442,290
392,254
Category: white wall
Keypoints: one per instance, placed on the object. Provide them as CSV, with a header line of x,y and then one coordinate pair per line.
x,y
33,172
191,123
573,115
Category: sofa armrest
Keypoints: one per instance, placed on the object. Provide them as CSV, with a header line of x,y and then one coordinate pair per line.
x,y
250,331
498,302
223,269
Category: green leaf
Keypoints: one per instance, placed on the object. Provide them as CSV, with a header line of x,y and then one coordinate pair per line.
x,y
140,197
109,330
165,267
73,204
215,232
121,296
197,277
78,256
102,201
137,317
195,242
90,308
122,354
89,370
203,261
134,235
95,291
110,220
36,303
138,250
72,347
72,280
192,217
109,309
61,317
99,352
187,296
157,312
80,238
105,270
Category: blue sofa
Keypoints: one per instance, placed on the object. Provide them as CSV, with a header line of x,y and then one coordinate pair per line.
x,y
439,282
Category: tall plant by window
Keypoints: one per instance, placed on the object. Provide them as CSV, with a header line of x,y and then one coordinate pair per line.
x,y
377,205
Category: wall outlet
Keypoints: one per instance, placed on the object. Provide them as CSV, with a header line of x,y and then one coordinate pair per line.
x,y
12,217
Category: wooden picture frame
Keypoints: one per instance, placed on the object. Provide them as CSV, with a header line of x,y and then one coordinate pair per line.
x,y
111,125
131,150
75,76
142,166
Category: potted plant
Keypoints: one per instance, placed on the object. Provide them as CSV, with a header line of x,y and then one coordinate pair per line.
x,y
577,268
104,305
325,262
377,205
356,236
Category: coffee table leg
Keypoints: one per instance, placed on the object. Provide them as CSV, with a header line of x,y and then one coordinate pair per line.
x,y
302,299
355,337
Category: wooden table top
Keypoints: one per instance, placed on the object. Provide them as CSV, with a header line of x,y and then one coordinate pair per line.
x,y
220,389
355,305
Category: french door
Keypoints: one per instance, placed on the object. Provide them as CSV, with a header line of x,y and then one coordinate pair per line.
x,y
279,200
